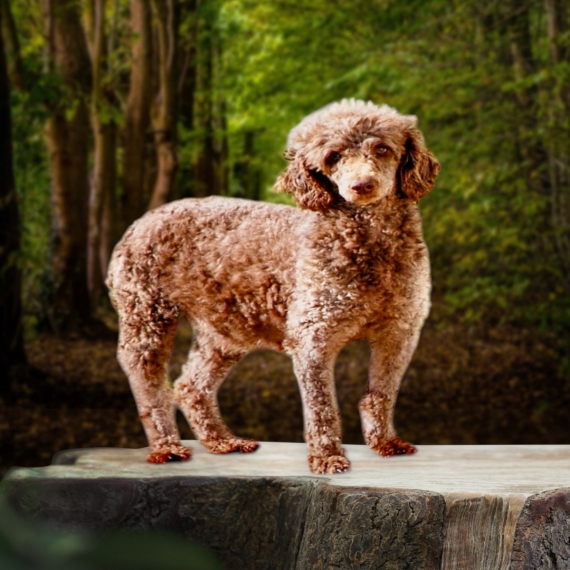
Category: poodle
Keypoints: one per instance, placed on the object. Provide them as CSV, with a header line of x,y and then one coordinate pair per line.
x,y
349,263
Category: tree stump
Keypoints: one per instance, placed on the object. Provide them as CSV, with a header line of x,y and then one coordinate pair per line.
x,y
447,507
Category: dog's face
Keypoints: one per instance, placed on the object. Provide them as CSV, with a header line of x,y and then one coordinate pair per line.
x,y
357,152
364,172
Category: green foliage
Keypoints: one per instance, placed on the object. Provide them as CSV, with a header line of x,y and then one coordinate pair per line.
x,y
33,187
495,224
25,545
488,222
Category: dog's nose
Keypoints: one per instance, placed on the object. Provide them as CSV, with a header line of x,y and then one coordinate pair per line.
x,y
363,186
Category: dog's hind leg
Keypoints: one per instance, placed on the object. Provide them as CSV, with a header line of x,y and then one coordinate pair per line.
x,y
144,351
196,394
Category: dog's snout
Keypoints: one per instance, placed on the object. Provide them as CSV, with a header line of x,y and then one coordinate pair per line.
x,y
363,186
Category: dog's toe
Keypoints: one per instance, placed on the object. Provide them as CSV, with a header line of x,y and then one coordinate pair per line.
x,y
230,445
248,445
328,465
169,454
393,447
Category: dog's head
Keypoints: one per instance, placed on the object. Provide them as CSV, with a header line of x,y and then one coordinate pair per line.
x,y
358,152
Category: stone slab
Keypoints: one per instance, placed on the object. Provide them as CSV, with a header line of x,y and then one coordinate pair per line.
x,y
448,507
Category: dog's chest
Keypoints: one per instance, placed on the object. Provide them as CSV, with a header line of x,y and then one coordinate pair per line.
x,y
367,259
372,272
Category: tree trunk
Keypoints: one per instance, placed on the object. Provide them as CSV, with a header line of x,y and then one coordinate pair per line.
x,y
206,172
67,133
11,338
104,134
137,115
245,171
221,126
11,46
557,25
187,92
533,154
165,109
524,65
110,229
556,145
101,223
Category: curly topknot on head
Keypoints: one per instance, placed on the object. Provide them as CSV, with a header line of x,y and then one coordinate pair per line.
x,y
343,122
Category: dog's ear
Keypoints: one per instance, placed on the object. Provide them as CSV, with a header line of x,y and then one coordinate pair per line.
x,y
418,167
311,189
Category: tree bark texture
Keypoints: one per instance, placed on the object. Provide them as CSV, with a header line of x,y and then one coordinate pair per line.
x,y
223,146
11,46
245,170
210,170
206,167
524,65
101,212
110,224
67,133
557,27
165,110
104,161
254,523
187,91
533,146
137,115
11,340
187,81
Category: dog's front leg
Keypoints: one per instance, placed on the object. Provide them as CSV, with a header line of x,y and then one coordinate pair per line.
x,y
390,356
320,410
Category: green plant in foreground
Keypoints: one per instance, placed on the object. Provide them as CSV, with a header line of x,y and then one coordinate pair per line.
x,y
28,545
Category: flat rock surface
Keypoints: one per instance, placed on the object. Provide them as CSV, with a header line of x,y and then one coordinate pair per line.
x,y
446,507
445,469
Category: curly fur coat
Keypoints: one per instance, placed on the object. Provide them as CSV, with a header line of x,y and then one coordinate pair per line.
x,y
349,263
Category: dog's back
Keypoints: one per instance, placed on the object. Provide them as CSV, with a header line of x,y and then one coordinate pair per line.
x,y
225,262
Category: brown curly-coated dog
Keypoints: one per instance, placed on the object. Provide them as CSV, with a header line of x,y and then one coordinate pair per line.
x,y
350,263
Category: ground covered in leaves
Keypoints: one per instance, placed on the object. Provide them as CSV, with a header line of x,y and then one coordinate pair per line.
x,y
504,386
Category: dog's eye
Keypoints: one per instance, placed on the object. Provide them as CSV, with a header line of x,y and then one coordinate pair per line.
x,y
381,149
332,158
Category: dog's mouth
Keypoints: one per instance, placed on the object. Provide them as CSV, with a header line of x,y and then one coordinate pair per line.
x,y
361,199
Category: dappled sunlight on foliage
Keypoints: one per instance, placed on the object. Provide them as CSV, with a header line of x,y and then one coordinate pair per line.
x,y
495,224
488,223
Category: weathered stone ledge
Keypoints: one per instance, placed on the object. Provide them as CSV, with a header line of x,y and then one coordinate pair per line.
x,y
447,507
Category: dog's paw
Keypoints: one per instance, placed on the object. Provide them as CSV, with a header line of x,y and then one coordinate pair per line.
x,y
229,445
395,446
328,465
169,453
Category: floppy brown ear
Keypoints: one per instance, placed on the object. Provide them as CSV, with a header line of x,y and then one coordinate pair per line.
x,y
418,168
311,189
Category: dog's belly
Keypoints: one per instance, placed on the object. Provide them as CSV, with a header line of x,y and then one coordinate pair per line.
x,y
247,316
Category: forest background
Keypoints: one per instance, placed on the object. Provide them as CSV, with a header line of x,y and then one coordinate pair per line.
x,y
111,107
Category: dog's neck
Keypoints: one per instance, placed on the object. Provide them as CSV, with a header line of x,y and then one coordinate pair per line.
x,y
364,245
389,216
